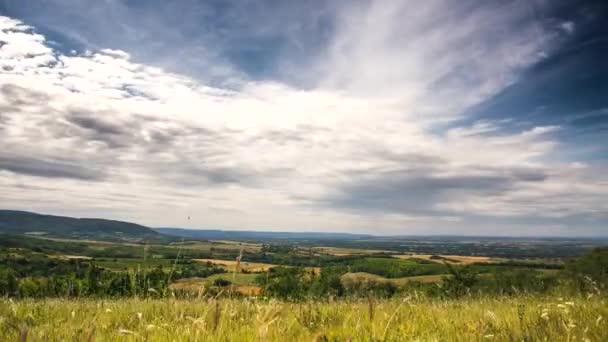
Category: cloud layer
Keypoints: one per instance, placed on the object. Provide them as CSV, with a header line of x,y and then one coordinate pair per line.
x,y
371,143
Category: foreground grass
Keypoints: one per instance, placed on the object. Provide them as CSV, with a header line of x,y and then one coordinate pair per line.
x,y
514,319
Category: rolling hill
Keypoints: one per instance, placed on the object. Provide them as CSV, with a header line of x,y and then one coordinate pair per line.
x,y
23,222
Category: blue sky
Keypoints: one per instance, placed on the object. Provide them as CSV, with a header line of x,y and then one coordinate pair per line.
x,y
392,117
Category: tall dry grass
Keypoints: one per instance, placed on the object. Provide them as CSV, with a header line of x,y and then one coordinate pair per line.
x,y
406,319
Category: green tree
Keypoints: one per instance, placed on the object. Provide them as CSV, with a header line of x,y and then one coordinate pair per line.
x,y
460,281
590,272
93,280
283,282
31,287
9,285
328,283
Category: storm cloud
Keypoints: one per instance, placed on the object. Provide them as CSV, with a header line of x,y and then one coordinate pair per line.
x,y
48,168
415,191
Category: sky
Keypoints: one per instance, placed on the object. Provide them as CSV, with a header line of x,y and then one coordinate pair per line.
x,y
387,117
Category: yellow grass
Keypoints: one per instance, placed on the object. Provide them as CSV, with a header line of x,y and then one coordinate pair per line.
x,y
463,260
230,265
247,246
399,319
355,277
90,242
242,284
249,290
190,284
218,244
70,257
339,251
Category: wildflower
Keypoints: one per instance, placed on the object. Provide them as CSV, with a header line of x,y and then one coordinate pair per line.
x,y
140,315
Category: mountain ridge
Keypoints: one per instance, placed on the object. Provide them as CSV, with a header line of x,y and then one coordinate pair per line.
x,y
30,223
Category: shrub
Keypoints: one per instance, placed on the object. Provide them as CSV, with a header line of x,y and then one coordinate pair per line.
x,y
221,282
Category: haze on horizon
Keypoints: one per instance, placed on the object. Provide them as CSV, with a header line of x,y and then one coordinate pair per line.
x,y
385,117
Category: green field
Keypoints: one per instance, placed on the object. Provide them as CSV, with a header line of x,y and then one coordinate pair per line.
x,y
398,319
121,264
367,277
237,279
113,291
398,268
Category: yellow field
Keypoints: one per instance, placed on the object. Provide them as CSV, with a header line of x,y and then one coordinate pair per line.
x,y
90,242
243,284
339,251
249,290
230,265
247,246
462,260
190,284
70,257
357,277
219,244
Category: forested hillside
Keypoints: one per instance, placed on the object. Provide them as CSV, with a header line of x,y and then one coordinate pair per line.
x,y
22,222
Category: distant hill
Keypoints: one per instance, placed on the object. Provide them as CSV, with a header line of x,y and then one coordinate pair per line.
x,y
245,235
23,222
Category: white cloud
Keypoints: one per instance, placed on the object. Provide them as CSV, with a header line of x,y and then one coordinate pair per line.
x,y
567,26
100,133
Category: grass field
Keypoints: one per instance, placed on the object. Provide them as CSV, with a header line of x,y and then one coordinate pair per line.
x,y
220,244
238,278
230,265
397,268
340,251
69,257
118,264
363,277
243,283
451,259
514,319
246,246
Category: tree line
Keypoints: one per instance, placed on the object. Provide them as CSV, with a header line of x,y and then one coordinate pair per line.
x,y
36,276
585,275
42,277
